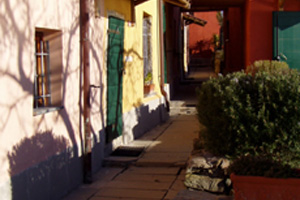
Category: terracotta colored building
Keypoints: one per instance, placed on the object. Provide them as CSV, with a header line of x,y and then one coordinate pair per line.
x,y
254,30
201,38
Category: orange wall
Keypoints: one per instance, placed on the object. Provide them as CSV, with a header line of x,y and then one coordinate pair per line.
x,y
203,34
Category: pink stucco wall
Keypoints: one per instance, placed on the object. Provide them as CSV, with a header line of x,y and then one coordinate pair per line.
x,y
27,140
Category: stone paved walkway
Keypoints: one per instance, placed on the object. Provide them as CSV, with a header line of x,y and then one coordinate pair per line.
x,y
158,173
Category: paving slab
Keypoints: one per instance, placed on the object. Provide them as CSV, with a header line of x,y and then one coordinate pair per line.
x,y
130,193
145,178
178,185
156,132
158,173
167,159
101,178
108,173
171,195
81,193
145,185
154,170
119,198
182,174
172,147
184,118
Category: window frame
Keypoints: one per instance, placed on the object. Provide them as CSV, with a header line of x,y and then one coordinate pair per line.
x,y
147,54
42,83
47,70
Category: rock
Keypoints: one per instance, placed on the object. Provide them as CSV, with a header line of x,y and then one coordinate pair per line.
x,y
223,163
199,162
207,172
206,183
205,160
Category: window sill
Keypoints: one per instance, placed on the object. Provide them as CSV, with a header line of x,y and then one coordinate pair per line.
x,y
44,110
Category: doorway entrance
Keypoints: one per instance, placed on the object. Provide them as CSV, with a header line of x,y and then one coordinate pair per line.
x,y
287,37
114,78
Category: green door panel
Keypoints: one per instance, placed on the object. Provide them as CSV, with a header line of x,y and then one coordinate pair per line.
x,y
114,78
286,35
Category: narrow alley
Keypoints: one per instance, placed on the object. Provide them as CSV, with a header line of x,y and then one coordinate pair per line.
x,y
159,171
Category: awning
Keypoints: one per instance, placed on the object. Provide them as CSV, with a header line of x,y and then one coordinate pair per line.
x,y
137,2
181,3
189,19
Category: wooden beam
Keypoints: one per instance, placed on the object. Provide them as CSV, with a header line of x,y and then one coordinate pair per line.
x,y
217,3
180,3
137,2
191,19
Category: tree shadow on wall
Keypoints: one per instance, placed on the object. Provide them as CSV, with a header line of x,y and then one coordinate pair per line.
x,y
202,49
41,166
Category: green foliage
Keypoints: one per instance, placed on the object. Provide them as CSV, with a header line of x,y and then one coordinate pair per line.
x,y
245,114
148,78
262,166
270,66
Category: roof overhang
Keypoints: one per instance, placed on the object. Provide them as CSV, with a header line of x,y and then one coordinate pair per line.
x,y
137,2
189,19
180,3
215,4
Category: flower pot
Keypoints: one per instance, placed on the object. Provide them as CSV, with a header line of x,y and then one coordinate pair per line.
x,y
263,188
148,88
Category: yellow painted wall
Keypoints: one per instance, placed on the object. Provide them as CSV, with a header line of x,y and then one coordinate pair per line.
x,y
118,7
133,80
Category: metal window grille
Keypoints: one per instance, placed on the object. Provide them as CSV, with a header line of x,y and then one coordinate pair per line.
x,y
147,48
42,94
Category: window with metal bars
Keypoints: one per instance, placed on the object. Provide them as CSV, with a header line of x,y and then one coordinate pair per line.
x,y
42,93
147,50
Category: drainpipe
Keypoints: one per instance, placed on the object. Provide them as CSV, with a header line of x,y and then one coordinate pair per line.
x,y
85,62
161,42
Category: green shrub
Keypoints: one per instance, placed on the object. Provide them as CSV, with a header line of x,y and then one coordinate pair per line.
x,y
245,114
270,66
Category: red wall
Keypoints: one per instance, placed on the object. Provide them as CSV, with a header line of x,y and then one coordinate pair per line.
x,y
259,32
292,5
201,38
234,39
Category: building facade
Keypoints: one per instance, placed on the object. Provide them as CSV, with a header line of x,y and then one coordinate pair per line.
x,y
43,135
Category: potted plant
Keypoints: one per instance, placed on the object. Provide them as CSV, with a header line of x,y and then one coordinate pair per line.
x,y
262,177
148,86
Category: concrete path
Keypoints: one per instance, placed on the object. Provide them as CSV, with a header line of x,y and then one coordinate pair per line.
x,y
158,173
